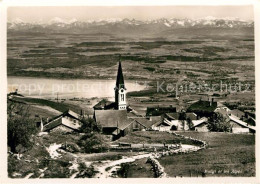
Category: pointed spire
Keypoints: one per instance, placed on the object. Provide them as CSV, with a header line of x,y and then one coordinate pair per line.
x,y
120,78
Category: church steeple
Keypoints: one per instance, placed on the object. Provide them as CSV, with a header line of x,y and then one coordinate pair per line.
x,y
120,78
120,90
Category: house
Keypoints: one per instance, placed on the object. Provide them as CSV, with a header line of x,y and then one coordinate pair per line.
x,y
163,125
203,108
237,113
145,123
200,125
68,121
239,126
179,120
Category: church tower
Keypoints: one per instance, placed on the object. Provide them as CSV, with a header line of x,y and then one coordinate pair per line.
x,y
120,90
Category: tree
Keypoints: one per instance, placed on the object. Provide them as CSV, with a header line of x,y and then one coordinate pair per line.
x,y
92,141
20,127
189,123
89,125
219,123
183,118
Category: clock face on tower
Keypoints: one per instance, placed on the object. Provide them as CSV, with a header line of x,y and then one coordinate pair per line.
x,y
122,90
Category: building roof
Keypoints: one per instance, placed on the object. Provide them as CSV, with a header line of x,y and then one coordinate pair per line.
x,y
56,121
199,122
52,124
242,123
104,104
68,112
148,122
203,107
111,118
237,113
120,78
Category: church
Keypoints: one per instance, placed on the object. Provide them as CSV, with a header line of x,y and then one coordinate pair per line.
x,y
115,117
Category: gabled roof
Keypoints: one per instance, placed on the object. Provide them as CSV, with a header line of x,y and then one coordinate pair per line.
x,y
203,106
148,122
120,78
200,121
110,118
68,112
103,104
237,113
242,123
56,121
53,124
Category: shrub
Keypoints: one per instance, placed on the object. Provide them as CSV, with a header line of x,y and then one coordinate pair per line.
x,y
219,123
20,126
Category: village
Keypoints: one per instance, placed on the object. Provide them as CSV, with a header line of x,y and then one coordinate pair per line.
x,y
119,120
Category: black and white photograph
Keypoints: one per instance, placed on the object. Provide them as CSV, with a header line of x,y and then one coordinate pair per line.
x,y
130,92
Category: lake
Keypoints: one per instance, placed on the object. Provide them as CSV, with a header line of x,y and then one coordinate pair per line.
x,y
67,88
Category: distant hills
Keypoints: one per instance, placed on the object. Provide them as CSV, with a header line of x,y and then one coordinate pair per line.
x,y
116,25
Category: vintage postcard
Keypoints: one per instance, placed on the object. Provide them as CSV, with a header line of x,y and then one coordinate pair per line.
x,y
142,91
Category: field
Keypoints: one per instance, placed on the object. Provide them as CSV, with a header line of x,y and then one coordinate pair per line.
x,y
227,155
179,60
80,56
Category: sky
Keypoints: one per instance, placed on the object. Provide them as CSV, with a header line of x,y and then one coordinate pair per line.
x,y
44,14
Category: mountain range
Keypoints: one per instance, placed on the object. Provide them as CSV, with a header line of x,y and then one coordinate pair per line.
x,y
114,25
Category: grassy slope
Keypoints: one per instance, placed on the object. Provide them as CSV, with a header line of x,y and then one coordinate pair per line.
x,y
55,105
227,153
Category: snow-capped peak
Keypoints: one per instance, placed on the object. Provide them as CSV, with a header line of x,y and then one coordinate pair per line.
x,y
72,21
57,20
17,21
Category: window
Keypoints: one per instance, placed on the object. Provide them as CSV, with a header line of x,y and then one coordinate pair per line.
x,y
122,97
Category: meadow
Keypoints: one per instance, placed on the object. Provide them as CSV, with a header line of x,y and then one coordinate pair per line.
x,y
227,155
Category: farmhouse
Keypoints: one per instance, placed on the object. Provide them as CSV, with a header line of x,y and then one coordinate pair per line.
x,y
200,125
68,121
146,123
177,121
239,126
203,108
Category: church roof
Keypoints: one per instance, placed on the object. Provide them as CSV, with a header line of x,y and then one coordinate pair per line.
x,y
120,78
104,104
112,118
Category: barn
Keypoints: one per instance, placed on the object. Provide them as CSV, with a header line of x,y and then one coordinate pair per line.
x,y
200,125
68,121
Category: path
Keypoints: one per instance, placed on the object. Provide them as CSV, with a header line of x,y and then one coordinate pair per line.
x,y
106,168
